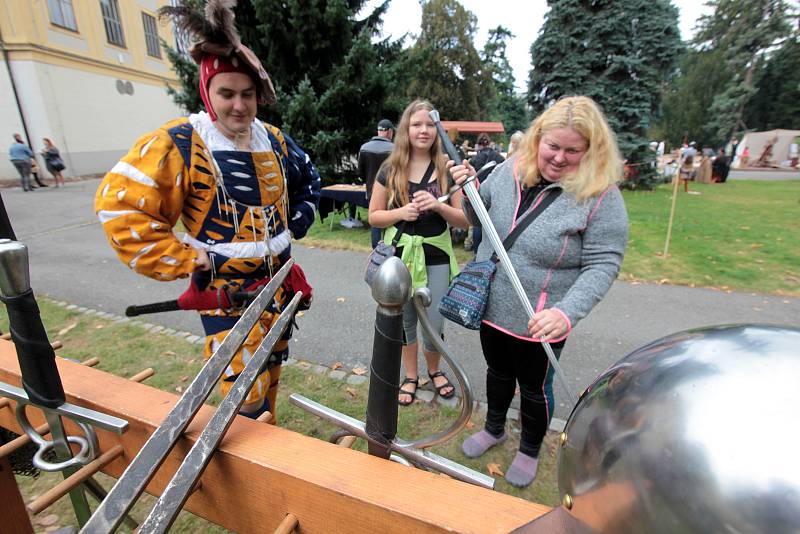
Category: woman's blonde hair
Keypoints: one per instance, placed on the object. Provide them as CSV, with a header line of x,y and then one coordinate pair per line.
x,y
396,166
601,165
514,142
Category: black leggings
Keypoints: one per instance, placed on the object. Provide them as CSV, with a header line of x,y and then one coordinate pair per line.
x,y
511,360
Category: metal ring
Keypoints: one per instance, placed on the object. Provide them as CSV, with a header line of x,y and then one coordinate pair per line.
x,y
87,444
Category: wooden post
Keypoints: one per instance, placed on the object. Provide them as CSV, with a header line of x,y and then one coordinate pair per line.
x,y
288,525
15,517
21,441
672,212
143,375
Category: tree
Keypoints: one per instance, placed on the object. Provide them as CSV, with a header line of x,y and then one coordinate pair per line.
x,y
703,74
743,31
776,102
617,52
450,72
507,106
332,82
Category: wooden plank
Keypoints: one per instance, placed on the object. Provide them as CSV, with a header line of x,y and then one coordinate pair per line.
x,y
262,472
15,515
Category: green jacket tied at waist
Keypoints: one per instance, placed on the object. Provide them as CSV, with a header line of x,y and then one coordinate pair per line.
x,y
413,255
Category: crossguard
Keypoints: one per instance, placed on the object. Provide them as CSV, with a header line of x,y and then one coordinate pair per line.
x,y
87,444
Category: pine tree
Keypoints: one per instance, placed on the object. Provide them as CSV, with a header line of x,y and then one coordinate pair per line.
x,y
743,31
616,52
449,72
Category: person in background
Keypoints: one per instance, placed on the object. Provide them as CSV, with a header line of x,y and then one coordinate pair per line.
x,y
485,154
567,258
53,161
720,167
513,143
243,189
370,157
404,198
21,156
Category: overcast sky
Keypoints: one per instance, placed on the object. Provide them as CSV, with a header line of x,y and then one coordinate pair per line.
x,y
523,17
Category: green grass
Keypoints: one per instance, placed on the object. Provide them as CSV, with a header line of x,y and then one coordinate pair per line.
x,y
741,235
124,349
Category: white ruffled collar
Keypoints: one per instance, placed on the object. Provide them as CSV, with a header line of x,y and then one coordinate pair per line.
x,y
215,140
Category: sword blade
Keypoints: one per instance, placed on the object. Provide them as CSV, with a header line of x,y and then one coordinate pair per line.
x,y
122,496
179,488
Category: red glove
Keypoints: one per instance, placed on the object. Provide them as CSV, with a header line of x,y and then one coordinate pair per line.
x,y
196,298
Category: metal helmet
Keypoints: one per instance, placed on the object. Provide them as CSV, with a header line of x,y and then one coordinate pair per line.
x,y
697,432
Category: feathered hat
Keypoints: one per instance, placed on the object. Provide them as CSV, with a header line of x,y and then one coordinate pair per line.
x,y
217,47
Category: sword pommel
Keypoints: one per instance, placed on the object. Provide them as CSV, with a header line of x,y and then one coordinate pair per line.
x,y
14,274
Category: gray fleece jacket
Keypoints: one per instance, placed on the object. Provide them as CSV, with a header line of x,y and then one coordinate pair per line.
x,y
566,259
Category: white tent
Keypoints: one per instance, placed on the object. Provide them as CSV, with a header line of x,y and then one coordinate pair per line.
x,y
784,149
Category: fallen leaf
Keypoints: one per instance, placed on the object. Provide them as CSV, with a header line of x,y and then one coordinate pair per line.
x,y
470,425
168,353
67,329
744,227
360,371
351,392
494,469
337,365
178,389
52,528
423,380
48,520
340,299
184,378
98,327
664,281
304,365
299,314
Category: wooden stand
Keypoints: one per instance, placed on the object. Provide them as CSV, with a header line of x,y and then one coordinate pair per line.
x,y
262,473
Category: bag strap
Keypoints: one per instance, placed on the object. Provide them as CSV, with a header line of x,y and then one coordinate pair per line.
x,y
535,212
399,233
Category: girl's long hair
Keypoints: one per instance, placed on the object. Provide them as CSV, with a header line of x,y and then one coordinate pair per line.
x,y
396,166
47,142
600,167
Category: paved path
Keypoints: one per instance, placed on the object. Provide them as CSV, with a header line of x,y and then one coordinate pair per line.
x,y
71,261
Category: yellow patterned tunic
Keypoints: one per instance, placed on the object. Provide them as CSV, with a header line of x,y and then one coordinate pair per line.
x,y
230,202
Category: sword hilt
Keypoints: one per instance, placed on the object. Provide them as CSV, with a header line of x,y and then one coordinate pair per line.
x,y
37,359
155,307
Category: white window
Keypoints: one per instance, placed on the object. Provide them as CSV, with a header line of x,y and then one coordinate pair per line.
x,y
151,35
112,22
62,14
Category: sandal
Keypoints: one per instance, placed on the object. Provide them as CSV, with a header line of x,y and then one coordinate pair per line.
x,y
447,384
412,394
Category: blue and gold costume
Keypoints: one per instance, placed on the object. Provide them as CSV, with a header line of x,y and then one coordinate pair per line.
x,y
231,203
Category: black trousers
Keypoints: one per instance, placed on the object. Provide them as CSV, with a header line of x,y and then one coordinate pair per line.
x,y
510,361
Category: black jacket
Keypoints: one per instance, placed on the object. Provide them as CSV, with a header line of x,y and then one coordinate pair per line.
x,y
484,156
370,157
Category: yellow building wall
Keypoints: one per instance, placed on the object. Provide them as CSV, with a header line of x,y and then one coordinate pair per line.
x,y
68,83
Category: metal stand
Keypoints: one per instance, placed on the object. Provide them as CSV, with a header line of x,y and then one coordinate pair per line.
x,y
391,289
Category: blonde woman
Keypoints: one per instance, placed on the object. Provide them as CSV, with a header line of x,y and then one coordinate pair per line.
x,y
567,259
404,197
513,143
53,161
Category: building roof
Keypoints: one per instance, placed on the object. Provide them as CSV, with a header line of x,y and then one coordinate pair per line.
x,y
474,126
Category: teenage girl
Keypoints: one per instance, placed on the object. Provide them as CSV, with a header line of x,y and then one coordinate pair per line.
x,y
404,199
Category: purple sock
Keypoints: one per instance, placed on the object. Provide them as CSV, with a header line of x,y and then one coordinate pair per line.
x,y
479,443
522,470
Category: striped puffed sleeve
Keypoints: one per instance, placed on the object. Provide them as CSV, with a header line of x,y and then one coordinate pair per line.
x,y
139,201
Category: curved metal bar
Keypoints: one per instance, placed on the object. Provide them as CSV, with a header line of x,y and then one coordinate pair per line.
x,y
339,434
87,444
421,300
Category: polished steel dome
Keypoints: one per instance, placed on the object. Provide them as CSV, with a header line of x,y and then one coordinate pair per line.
x,y
697,432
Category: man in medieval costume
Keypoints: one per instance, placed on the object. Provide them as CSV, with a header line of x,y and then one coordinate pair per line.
x,y
242,189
